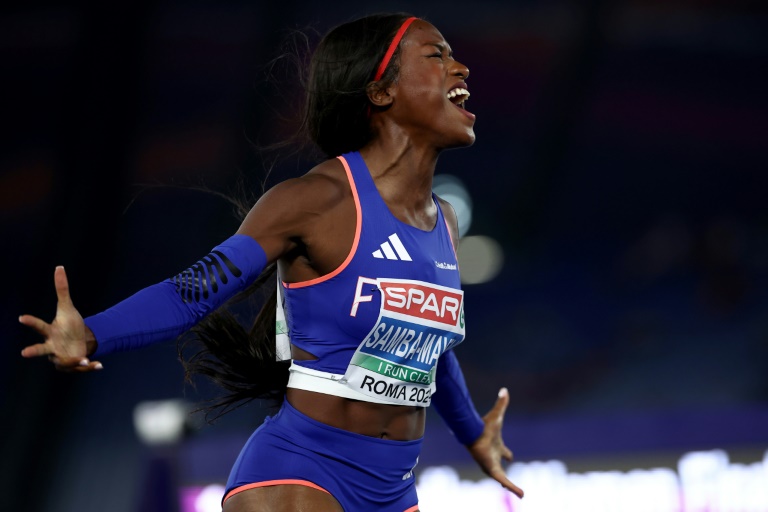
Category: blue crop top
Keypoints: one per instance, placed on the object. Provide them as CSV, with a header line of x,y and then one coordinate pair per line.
x,y
391,309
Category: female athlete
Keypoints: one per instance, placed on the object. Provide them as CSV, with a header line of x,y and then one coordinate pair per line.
x,y
369,286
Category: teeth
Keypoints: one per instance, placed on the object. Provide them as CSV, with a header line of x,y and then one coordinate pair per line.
x,y
459,91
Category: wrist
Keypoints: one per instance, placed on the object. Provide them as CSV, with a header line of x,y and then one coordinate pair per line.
x,y
90,342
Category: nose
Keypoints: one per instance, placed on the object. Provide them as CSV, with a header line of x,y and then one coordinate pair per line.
x,y
460,69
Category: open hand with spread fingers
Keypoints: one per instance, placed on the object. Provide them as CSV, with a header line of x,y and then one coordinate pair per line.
x,y
489,448
67,339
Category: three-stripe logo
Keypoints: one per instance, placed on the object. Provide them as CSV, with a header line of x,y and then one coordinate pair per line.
x,y
392,250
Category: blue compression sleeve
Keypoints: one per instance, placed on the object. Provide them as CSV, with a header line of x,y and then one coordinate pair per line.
x,y
167,309
453,403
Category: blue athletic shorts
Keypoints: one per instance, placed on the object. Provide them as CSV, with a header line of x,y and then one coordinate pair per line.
x,y
364,474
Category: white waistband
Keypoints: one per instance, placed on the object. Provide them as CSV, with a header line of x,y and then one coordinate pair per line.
x,y
326,383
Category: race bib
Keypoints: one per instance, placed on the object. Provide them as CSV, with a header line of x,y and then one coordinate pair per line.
x,y
417,323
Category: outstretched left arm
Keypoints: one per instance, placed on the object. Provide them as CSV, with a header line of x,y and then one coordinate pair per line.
x,y
482,436
490,448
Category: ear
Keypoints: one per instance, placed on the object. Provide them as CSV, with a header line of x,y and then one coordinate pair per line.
x,y
379,95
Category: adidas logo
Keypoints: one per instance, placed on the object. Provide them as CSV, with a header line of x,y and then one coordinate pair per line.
x,y
395,251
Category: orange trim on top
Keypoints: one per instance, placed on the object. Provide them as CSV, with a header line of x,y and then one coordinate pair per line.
x,y
358,229
414,508
268,483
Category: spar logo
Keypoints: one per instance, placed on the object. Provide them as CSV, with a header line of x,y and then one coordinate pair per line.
x,y
413,300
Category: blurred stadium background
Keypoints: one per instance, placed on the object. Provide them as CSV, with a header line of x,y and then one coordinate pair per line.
x,y
616,242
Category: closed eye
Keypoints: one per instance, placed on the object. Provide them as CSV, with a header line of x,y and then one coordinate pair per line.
x,y
441,50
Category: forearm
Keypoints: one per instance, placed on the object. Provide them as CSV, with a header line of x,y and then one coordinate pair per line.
x,y
167,309
151,315
453,402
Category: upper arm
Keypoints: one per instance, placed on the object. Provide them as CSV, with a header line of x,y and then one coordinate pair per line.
x,y
291,211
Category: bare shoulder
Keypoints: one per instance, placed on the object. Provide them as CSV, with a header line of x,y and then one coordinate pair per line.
x,y
296,208
327,181
324,183
450,216
312,193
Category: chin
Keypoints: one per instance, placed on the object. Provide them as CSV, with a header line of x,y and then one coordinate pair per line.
x,y
465,141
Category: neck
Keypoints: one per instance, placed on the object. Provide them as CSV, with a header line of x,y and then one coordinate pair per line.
x,y
402,170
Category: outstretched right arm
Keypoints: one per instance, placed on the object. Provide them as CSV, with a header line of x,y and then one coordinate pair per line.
x,y
67,340
169,308
276,225
159,312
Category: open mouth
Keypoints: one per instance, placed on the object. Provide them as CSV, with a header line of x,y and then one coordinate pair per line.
x,y
458,96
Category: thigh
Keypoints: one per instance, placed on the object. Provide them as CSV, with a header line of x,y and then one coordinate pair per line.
x,y
282,498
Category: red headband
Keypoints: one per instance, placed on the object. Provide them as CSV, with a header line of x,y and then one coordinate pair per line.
x,y
392,48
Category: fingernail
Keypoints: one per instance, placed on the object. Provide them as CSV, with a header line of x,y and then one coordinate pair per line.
x,y
503,392
20,317
83,362
99,366
59,266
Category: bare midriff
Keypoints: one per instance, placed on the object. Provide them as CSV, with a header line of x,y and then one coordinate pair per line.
x,y
395,422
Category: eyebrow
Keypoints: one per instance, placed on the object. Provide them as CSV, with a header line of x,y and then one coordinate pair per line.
x,y
440,47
